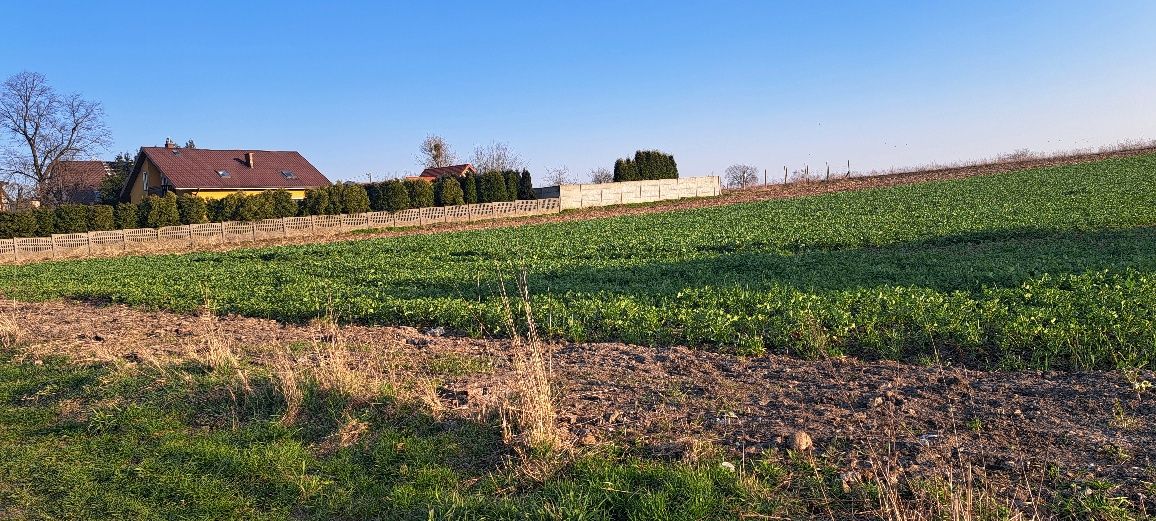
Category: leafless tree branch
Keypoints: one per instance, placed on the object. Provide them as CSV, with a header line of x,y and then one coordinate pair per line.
x,y
44,128
434,152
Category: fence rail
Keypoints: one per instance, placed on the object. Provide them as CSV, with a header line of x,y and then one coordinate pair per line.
x,y
81,244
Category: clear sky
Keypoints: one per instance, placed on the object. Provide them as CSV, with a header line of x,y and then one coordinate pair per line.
x,y
356,86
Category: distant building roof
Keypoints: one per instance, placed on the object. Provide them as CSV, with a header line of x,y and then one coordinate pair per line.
x,y
199,168
79,181
444,171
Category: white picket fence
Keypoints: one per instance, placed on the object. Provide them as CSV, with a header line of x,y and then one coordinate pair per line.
x,y
81,244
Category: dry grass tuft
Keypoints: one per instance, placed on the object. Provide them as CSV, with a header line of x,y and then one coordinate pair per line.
x,y
11,333
215,350
285,373
531,408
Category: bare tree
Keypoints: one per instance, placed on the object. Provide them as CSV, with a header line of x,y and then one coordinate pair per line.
x,y
496,157
558,176
601,175
435,152
741,176
44,128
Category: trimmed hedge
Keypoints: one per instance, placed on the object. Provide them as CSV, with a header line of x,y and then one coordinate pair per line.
x,y
101,217
45,221
162,211
125,216
448,192
646,165
421,194
71,218
492,188
192,209
469,185
348,198
395,197
525,186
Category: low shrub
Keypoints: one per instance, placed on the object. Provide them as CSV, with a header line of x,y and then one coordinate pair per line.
x,y
469,185
125,216
395,196
421,193
354,198
192,209
71,218
101,217
448,192
45,221
163,211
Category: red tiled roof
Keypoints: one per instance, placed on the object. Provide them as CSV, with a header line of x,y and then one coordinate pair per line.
x,y
78,181
190,168
443,171
80,174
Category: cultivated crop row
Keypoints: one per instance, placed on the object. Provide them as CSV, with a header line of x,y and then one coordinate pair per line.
x,y
1050,268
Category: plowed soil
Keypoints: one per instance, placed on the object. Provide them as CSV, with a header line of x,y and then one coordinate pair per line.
x,y
670,402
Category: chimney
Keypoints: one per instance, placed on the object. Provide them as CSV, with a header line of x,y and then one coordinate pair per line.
x,y
249,159
169,143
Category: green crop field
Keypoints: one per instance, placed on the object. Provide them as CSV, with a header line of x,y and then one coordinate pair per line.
x,y
1048,268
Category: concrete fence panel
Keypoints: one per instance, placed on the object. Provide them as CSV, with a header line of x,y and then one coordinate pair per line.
x,y
80,244
605,194
379,219
140,236
174,233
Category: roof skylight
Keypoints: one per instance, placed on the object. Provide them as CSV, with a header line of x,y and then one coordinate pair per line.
x,y
288,174
223,173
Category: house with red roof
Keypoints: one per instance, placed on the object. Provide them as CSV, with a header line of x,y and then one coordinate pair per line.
x,y
214,174
434,173
77,181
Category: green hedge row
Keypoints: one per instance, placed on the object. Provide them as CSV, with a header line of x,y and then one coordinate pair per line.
x,y
646,165
340,198
396,195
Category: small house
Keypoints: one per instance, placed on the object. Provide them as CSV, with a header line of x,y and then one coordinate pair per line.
x,y
434,173
214,174
77,181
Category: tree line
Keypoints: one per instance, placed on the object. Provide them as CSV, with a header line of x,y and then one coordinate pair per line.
x,y
341,198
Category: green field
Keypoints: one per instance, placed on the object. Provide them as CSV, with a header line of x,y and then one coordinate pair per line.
x,y
1048,268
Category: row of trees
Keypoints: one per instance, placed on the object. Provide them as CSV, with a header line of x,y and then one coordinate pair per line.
x,y
490,187
646,165
340,198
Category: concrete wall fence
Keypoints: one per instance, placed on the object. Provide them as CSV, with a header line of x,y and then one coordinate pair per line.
x,y
82,244
627,192
558,198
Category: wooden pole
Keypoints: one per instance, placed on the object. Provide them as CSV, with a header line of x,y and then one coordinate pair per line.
x,y
828,171
784,175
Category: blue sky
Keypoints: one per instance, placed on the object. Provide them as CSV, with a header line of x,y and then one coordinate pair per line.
x,y
356,86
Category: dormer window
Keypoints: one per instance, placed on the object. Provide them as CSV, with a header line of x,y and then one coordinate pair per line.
x,y
223,173
287,174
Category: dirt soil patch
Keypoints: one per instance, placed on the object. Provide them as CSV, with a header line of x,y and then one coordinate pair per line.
x,y
677,402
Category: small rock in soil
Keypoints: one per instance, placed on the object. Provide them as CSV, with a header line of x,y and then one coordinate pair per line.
x,y
801,441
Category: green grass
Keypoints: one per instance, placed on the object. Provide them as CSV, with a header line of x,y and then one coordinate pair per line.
x,y
183,442
188,446
1047,268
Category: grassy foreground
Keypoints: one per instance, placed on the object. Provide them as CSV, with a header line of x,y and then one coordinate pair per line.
x,y
192,441
1047,268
